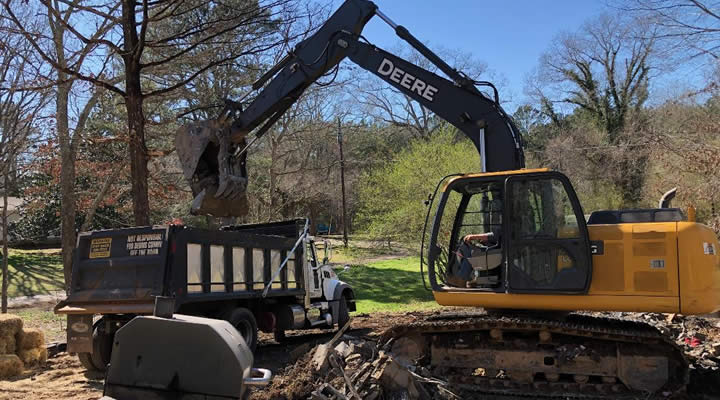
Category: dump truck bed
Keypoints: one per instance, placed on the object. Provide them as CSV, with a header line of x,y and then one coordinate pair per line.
x,y
121,271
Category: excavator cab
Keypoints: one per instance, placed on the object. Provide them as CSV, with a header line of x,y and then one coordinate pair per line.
x,y
531,229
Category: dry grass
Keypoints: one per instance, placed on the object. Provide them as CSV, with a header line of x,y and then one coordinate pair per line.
x,y
10,365
10,324
33,357
30,339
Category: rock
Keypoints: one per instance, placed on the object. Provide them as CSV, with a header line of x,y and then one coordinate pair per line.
x,y
353,361
343,349
320,358
367,349
396,378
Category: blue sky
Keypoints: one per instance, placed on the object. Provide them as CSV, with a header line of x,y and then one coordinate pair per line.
x,y
508,36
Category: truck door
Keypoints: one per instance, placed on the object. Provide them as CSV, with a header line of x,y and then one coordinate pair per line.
x,y
314,271
547,243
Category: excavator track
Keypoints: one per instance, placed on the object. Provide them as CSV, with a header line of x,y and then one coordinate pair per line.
x,y
577,356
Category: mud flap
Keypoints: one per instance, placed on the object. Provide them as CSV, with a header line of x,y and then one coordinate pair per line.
x,y
79,333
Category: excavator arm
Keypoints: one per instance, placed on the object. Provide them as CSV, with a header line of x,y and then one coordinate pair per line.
x,y
213,153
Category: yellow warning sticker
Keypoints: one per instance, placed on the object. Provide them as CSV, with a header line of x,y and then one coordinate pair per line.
x,y
100,248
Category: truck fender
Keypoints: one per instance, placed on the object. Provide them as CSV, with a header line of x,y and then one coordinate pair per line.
x,y
337,294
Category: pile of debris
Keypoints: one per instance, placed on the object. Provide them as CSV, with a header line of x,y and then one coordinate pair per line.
x,y
19,348
357,366
701,339
698,336
350,367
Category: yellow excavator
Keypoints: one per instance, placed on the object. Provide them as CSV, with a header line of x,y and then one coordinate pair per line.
x,y
511,240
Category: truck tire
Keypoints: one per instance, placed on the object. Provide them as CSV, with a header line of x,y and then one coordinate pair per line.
x,y
343,313
102,342
244,321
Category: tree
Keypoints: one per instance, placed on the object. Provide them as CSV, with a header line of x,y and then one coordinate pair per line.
x,y
19,113
149,40
391,196
47,29
690,25
602,73
386,104
686,150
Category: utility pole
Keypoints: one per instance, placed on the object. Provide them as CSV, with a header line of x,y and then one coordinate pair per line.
x,y
342,183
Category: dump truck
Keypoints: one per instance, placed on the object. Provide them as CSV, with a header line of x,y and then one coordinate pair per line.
x,y
264,277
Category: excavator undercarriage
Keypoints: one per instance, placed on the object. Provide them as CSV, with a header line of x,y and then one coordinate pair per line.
x,y
576,356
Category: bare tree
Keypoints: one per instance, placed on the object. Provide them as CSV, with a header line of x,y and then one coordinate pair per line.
x,y
388,105
47,29
693,25
19,110
602,72
149,39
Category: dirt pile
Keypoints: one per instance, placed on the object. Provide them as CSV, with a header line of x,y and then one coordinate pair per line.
x,y
19,348
351,367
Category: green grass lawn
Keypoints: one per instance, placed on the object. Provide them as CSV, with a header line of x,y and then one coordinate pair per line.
x,y
34,272
389,285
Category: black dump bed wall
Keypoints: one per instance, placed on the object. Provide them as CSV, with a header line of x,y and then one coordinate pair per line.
x,y
193,265
120,265
232,263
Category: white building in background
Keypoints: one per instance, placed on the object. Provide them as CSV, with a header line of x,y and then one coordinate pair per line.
x,y
13,212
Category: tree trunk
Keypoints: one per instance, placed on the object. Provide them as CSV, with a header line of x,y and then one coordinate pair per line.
x,y
4,289
136,118
138,159
67,180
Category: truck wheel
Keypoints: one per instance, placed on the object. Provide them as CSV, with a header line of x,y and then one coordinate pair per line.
x,y
244,321
343,313
102,349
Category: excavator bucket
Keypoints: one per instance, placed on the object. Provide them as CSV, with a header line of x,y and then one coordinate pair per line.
x,y
218,178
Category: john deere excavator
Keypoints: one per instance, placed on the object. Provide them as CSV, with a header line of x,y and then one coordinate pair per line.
x,y
511,240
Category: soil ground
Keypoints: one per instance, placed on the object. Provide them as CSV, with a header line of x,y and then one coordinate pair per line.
x,y
64,378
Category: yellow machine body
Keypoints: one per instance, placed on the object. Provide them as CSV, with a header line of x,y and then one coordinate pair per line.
x,y
669,267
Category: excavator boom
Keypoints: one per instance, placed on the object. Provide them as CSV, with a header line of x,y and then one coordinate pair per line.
x,y
213,153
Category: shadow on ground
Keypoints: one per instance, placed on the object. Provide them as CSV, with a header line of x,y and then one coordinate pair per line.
x,y
33,273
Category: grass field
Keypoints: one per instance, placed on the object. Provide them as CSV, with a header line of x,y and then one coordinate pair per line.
x,y
388,285
33,272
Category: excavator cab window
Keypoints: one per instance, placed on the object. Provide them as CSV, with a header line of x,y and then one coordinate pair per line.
x,y
470,235
547,242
